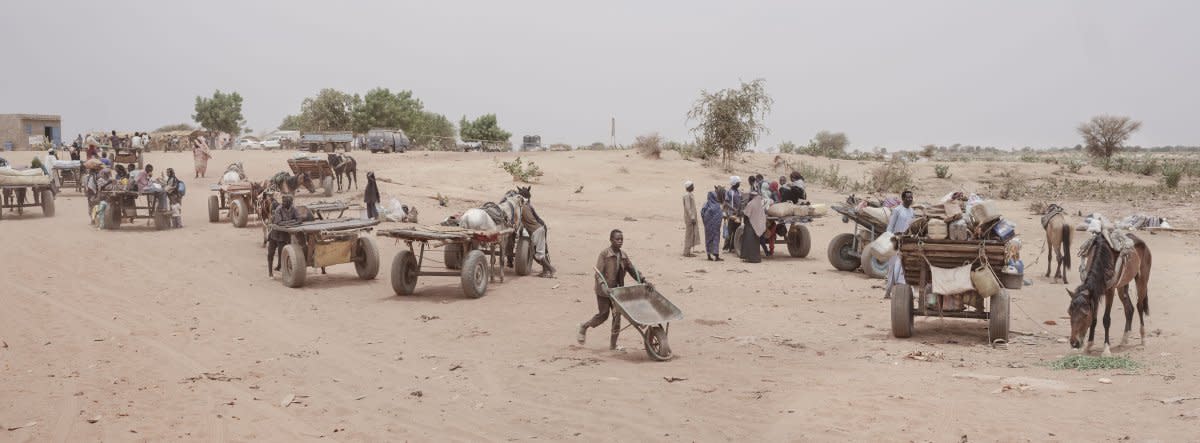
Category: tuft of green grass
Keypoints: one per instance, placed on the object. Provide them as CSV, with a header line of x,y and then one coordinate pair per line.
x,y
1090,363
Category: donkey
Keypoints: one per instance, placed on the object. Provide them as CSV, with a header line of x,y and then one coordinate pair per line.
x,y
344,164
287,183
1058,238
1104,277
507,215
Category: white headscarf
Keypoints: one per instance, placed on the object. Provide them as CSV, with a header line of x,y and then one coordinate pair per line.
x,y
733,180
687,183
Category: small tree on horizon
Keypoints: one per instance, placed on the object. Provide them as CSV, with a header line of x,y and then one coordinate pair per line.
x,y
730,120
484,129
1104,135
222,112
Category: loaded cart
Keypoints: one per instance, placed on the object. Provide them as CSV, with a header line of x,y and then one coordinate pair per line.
x,y
849,251
121,205
239,200
317,168
648,312
16,187
322,243
481,252
791,228
69,174
918,255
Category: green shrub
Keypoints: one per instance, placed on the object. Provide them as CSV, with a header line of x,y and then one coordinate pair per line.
x,y
893,176
649,146
1074,166
1172,174
525,173
942,171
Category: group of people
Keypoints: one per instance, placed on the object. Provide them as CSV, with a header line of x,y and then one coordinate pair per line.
x,y
119,177
725,210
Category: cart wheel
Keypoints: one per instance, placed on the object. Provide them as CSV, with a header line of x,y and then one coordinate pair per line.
x,y
873,267
475,274
367,264
141,160
737,240
238,213
524,257
902,310
293,266
214,209
47,203
112,216
162,221
327,185
656,344
998,317
841,253
799,242
404,273
452,255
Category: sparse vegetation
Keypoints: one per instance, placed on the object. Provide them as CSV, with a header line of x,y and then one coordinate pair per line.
x,y
827,144
787,147
176,127
1074,166
1172,174
1092,363
1104,135
731,120
942,171
687,151
525,173
893,176
649,146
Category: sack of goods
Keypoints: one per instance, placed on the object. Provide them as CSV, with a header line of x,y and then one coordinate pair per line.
x,y
936,229
883,247
951,281
879,215
953,211
984,212
783,209
23,177
959,231
1004,230
813,210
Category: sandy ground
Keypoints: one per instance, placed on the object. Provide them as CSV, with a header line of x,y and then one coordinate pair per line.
x,y
121,328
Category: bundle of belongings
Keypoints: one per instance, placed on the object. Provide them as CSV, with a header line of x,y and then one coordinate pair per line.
x,y
23,177
801,209
971,219
1115,236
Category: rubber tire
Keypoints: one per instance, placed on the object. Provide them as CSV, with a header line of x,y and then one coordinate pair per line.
x,y
113,216
294,267
737,241
902,310
452,256
656,344
214,209
475,274
998,311
368,264
48,203
799,241
238,213
404,273
524,256
327,185
871,267
162,221
839,247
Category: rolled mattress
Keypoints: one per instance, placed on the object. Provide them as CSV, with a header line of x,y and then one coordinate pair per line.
x,y
23,177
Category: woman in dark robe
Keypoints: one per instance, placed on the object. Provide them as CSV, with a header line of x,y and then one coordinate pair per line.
x,y
712,216
754,223
371,196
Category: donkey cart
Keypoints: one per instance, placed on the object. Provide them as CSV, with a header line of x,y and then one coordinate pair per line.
x,y
794,233
69,175
648,312
316,168
849,251
323,243
481,251
13,197
918,255
239,200
123,205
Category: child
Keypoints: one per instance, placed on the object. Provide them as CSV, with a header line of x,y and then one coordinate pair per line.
x,y
176,215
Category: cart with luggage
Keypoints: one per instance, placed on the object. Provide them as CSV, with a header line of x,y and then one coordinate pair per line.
x,y
789,230
917,296
849,251
322,243
239,200
20,189
477,258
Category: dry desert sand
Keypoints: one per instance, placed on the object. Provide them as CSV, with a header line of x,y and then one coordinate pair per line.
x,y
179,335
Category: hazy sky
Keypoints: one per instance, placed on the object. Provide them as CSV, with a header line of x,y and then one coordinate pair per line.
x,y
888,73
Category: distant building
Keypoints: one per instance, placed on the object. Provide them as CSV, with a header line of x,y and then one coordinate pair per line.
x,y
21,132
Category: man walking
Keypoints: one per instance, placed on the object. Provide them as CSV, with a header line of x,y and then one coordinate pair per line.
x,y
691,225
613,264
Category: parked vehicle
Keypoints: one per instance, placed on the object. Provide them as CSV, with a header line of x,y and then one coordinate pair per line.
x,y
387,140
326,141
245,143
531,143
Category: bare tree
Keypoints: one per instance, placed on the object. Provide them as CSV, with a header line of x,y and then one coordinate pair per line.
x,y
730,120
830,144
1104,135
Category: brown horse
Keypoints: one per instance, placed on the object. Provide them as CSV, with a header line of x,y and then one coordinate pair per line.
x,y
1058,239
1107,274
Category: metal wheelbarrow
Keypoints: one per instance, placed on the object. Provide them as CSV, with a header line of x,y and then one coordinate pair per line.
x,y
648,312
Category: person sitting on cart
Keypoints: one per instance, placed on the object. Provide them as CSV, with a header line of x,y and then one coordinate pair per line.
x,y
613,265
902,216
286,214
794,191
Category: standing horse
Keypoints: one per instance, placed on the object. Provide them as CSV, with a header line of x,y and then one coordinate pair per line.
x,y
344,164
1107,274
1058,239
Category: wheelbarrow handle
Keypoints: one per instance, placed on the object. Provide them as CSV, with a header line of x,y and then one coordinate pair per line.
x,y
636,277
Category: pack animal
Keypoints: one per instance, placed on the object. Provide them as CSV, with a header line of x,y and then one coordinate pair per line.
x,y
344,165
1108,274
1058,239
287,183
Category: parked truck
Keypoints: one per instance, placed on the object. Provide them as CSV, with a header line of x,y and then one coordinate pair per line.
x,y
387,140
325,141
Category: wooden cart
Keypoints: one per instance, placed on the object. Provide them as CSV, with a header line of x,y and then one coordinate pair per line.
x,y
19,197
848,251
125,156
239,200
70,177
481,250
917,254
124,205
797,238
323,243
317,168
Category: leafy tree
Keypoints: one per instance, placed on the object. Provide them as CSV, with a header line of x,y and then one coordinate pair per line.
x,y
1104,135
432,130
730,120
380,108
330,110
829,144
222,112
290,123
483,129
788,147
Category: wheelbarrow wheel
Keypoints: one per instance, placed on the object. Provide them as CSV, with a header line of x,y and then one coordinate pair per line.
x,y
902,310
656,344
841,251
293,266
238,213
452,256
367,263
871,265
475,274
524,257
214,209
404,273
799,242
